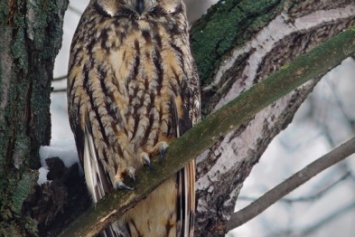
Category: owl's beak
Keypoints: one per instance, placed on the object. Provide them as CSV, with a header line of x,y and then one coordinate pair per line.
x,y
140,6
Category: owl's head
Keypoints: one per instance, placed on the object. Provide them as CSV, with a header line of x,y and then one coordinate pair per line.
x,y
139,6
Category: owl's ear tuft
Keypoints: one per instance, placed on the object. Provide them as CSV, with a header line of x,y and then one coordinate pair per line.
x,y
172,6
109,7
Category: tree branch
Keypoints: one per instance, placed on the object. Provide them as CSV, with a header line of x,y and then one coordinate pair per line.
x,y
206,133
261,204
310,198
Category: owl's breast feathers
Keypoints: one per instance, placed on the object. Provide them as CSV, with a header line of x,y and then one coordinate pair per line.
x,y
132,88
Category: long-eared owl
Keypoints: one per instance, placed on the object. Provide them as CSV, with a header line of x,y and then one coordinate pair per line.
x,y
132,89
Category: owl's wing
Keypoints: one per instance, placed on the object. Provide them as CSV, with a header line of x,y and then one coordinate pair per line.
x,y
96,176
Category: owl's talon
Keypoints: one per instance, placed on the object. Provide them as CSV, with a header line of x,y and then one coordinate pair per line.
x,y
162,154
146,160
162,150
149,165
132,174
122,185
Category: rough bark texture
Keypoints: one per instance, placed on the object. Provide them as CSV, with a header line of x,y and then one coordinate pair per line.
x,y
30,38
237,44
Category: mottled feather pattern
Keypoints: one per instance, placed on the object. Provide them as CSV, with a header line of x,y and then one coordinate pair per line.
x,y
132,89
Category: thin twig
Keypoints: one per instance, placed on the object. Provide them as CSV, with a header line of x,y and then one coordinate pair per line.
x,y
60,90
326,220
60,78
299,178
74,10
309,198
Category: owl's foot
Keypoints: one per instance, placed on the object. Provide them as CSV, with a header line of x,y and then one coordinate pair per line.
x,y
159,149
119,184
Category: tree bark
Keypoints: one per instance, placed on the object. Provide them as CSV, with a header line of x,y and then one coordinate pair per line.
x,y
30,39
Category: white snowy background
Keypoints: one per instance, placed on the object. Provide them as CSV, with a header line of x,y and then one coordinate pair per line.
x,y
323,207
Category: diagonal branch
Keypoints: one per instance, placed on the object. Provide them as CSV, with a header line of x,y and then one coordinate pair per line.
x,y
206,133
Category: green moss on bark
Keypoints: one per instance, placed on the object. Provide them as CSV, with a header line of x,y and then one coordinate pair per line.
x,y
23,188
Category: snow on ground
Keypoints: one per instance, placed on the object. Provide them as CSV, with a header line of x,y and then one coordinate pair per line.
x,y
324,121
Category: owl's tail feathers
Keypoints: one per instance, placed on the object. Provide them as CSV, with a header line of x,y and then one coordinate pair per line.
x,y
186,200
112,231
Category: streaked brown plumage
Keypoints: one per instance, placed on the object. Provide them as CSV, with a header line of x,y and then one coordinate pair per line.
x,y
132,89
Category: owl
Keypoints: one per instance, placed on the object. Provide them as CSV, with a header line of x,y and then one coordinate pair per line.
x,y
132,89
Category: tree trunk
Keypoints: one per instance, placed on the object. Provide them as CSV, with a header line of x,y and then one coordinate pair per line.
x,y
30,38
